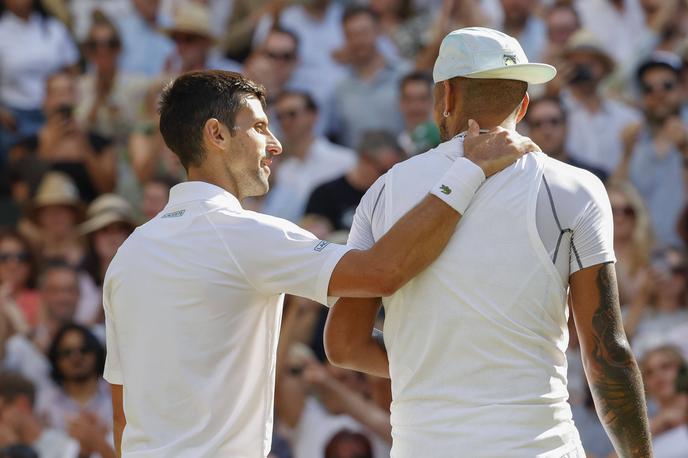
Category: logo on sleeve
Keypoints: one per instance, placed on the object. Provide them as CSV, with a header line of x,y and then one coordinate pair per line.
x,y
176,214
321,245
445,189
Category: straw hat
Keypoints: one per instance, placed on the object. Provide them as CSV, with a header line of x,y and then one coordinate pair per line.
x,y
585,41
193,18
105,210
56,188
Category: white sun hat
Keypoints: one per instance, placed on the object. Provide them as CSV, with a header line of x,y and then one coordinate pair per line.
x,y
479,52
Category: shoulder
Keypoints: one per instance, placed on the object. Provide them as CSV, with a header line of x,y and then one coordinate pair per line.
x,y
325,146
570,180
622,110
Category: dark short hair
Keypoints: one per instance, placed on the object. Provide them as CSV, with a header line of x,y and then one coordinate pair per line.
x,y
52,264
193,98
416,76
91,343
13,385
308,100
358,10
546,99
277,28
344,436
373,141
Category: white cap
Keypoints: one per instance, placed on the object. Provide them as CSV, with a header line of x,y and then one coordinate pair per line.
x,y
479,52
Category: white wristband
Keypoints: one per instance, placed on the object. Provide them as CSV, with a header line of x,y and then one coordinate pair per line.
x,y
459,184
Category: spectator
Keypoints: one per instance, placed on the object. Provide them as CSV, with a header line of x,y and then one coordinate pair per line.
x,y
521,23
562,21
144,48
632,239
337,200
660,367
55,212
194,38
109,100
403,31
546,120
368,97
18,451
348,444
32,47
660,304
241,25
308,160
79,403
18,296
415,102
20,425
594,121
156,193
655,150
110,221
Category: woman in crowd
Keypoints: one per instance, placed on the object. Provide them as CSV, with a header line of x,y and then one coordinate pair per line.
x,y
18,296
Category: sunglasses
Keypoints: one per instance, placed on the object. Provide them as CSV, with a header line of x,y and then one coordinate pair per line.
x,y
187,38
112,44
665,86
539,123
21,256
65,353
627,211
283,56
284,115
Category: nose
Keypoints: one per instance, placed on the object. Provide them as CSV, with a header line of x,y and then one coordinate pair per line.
x,y
274,147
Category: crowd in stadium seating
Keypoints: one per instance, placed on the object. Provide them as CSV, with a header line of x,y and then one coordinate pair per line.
x,y
82,163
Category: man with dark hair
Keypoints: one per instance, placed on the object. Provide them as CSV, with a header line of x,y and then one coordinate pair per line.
x,y
475,345
20,425
415,102
308,160
337,200
193,298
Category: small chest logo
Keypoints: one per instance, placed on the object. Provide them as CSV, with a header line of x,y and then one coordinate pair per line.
x,y
321,245
176,214
510,59
445,189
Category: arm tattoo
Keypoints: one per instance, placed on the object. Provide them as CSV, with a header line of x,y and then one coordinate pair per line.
x,y
616,382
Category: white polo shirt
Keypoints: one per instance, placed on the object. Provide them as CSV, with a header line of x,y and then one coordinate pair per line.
x,y
193,305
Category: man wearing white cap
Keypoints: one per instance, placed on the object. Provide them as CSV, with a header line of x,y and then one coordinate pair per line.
x,y
475,344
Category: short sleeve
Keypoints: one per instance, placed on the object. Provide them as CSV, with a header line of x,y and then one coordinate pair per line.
x,y
113,371
284,257
361,236
592,240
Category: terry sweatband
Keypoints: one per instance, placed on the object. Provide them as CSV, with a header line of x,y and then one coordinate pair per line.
x,y
459,184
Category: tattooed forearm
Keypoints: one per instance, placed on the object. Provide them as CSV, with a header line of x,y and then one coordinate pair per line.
x,y
616,383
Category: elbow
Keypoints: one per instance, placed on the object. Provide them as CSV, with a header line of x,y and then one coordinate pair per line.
x,y
337,350
390,281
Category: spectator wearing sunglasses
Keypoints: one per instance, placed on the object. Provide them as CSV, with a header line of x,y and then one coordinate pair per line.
x,y
79,402
656,149
110,101
546,121
18,296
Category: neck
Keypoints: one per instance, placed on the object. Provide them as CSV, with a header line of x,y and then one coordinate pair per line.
x,y
514,26
81,391
31,431
298,147
194,65
104,263
357,179
667,304
459,124
215,175
588,98
370,68
23,15
316,11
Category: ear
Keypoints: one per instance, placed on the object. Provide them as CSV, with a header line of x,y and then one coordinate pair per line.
x,y
448,96
215,135
523,108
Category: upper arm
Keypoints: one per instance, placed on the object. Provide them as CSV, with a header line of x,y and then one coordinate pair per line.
x,y
118,404
113,369
361,235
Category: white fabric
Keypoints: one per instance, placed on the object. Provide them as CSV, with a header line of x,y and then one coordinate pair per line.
x,y
317,426
672,443
22,356
55,444
296,179
597,138
30,51
491,310
479,52
193,305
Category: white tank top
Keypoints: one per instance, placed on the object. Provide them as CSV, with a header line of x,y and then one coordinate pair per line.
x,y
479,338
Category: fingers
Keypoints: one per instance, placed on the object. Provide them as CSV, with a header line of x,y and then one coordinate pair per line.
x,y
473,128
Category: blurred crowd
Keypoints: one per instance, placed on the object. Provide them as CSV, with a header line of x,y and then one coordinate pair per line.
x,y
82,163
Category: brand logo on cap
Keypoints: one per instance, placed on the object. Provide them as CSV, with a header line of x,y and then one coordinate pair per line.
x,y
510,59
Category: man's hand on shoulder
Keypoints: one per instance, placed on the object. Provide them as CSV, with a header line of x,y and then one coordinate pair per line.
x,y
497,149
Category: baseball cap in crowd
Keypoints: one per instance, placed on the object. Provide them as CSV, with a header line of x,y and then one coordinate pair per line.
x,y
56,188
479,52
662,59
192,18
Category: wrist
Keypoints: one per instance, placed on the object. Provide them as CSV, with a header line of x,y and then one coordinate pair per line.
x,y
459,184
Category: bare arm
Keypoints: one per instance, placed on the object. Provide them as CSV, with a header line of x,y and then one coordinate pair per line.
x,y
351,340
610,367
119,420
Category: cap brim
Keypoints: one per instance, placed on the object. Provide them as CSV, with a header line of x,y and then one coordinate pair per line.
x,y
530,73
103,220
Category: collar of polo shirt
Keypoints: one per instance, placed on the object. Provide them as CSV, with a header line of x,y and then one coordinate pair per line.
x,y
200,190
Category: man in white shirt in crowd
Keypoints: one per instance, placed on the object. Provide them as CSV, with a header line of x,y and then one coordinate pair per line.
x,y
193,298
309,160
475,345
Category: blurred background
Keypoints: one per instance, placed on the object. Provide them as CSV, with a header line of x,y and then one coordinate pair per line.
x,y
82,163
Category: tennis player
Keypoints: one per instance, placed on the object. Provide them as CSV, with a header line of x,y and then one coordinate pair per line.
x,y
193,298
475,344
